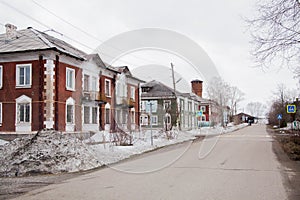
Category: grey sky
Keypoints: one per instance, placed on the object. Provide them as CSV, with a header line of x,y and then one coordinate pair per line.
x,y
217,26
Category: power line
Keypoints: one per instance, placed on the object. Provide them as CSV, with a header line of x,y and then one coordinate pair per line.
x,y
49,28
83,31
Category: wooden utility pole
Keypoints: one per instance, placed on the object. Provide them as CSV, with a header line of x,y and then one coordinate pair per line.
x,y
174,87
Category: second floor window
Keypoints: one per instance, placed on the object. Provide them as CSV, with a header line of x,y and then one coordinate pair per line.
x,y
107,88
70,79
86,83
23,75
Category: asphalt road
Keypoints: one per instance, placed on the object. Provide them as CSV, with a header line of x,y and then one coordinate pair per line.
x,y
239,165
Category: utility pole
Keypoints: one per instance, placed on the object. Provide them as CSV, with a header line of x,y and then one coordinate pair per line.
x,y
174,87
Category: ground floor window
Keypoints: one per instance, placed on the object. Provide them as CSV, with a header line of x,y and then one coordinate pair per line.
x,y
107,116
23,109
86,114
70,114
94,115
154,120
70,110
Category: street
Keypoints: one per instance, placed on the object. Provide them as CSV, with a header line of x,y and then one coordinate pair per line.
x,y
240,165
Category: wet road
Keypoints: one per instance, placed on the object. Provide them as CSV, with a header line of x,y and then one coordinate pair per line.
x,y
239,165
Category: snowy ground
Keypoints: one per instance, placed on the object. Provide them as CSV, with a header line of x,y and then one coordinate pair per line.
x,y
54,152
108,153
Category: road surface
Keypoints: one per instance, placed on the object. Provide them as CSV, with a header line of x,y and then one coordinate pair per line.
x,y
238,165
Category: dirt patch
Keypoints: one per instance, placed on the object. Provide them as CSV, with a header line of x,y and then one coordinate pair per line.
x,y
290,169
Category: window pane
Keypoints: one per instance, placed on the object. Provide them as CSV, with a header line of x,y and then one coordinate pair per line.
x,y
94,115
86,111
94,84
86,83
27,75
107,88
21,76
21,112
107,116
27,113
70,113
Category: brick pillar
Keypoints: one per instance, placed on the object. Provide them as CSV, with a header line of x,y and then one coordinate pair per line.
x,y
49,89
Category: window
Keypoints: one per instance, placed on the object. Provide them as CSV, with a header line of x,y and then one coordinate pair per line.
x,y
70,79
132,115
86,114
167,104
0,114
86,83
23,75
94,115
203,108
94,84
107,116
70,114
132,92
107,88
1,77
154,120
24,112
203,118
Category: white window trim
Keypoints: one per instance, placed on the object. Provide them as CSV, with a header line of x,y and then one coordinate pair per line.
x,y
1,115
73,79
109,88
1,77
18,66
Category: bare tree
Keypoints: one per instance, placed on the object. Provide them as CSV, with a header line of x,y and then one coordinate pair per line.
x,y
224,95
276,34
256,109
235,96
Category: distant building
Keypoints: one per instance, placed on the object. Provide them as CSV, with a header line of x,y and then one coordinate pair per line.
x,y
168,109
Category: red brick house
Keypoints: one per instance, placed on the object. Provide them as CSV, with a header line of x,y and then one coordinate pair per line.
x,y
40,82
47,83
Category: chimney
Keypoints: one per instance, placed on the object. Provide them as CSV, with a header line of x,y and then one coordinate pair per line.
x,y
11,32
197,87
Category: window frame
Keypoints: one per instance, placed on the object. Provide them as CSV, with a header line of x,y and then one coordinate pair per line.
x,y
72,88
24,85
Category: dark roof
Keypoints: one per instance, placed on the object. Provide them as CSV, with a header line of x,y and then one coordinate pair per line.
x,y
33,40
158,89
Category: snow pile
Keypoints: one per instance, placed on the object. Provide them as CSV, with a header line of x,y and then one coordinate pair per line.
x,y
3,142
45,152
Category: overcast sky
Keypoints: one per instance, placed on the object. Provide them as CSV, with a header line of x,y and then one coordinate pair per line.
x,y
216,26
